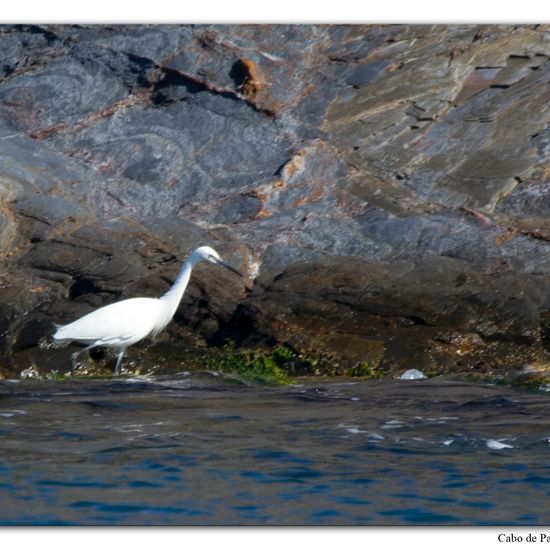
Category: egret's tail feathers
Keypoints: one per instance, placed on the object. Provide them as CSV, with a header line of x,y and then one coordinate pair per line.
x,y
58,334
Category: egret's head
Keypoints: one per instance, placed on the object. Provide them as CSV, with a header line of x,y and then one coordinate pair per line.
x,y
210,255
207,253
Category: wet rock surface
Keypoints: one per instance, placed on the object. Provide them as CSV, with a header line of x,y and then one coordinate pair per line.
x,y
384,188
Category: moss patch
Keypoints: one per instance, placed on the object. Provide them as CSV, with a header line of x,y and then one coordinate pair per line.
x,y
367,370
265,367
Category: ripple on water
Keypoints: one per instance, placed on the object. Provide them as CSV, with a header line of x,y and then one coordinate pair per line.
x,y
196,450
75,483
419,516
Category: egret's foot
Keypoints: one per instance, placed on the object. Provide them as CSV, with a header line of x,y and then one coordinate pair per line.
x,y
119,363
74,364
74,357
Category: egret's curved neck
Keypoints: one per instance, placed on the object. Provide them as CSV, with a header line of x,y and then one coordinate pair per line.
x,y
173,297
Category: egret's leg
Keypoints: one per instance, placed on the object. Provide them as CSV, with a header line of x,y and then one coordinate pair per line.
x,y
119,361
76,354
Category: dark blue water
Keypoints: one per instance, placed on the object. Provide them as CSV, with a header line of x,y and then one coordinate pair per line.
x,y
200,449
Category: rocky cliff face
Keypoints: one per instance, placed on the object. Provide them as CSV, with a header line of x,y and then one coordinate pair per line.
x,y
384,188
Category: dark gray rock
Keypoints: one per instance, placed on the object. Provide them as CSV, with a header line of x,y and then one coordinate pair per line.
x,y
384,188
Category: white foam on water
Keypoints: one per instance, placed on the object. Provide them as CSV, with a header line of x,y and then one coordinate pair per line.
x,y
355,430
129,428
352,429
392,424
12,412
497,445
138,378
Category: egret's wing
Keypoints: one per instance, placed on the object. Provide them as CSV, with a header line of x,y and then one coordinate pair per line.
x,y
113,323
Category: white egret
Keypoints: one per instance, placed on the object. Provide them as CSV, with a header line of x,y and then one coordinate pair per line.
x,y
124,323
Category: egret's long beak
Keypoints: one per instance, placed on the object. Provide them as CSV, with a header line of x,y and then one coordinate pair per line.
x,y
227,266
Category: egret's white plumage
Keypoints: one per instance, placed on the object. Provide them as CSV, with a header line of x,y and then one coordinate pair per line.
x,y
124,323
